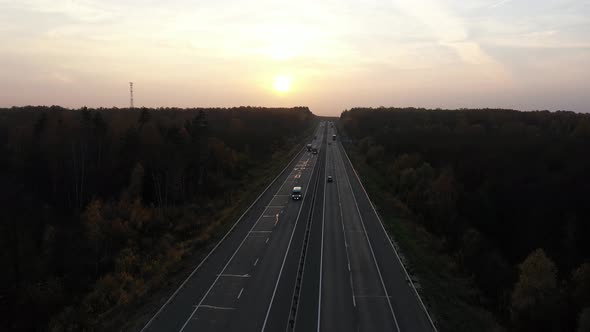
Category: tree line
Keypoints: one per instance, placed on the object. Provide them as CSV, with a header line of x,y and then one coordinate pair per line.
x,y
506,191
99,205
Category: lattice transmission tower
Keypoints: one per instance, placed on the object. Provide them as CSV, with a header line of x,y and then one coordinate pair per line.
x,y
131,95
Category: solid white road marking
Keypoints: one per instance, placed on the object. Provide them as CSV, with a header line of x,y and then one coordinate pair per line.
x,y
220,241
369,243
338,187
233,255
288,246
391,243
322,246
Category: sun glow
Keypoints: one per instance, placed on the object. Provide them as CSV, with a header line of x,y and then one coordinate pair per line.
x,y
282,83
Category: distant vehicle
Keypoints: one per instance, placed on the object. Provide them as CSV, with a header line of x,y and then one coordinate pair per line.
x,y
315,136
308,147
333,137
296,194
314,150
330,178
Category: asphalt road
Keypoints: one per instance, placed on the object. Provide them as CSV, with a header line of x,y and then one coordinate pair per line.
x,y
322,263
235,286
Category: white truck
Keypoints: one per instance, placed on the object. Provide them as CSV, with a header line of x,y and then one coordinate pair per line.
x,y
296,194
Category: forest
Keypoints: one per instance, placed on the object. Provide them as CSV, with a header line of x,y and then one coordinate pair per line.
x,y
100,205
506,192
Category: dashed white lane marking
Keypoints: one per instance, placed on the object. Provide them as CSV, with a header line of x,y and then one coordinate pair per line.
x,y
234,275
267,240
214,307
369,241
210,252
346,246
240,293
256,262
352,287
192,315
285,256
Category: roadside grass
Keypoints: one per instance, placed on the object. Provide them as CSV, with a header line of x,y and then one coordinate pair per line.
x,y
452,299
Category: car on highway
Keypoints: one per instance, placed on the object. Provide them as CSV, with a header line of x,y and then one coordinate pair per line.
x,y
296,194
330,179
314,150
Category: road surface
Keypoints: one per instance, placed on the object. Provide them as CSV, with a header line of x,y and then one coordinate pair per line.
x,y
323,263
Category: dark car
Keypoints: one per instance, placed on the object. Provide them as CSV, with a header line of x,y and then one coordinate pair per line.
x,y
330,178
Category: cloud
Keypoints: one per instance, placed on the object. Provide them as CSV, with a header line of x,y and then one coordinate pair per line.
x,y
228,49
550,39
451,31
499,3
81,10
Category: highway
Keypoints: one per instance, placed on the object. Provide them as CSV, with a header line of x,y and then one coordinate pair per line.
x,y
322,263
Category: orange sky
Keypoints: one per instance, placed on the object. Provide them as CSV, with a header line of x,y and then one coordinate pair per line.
x,y
331,55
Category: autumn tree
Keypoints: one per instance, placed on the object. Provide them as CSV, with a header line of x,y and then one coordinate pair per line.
x,y
584,321
534,297
492,184
581,285
100,204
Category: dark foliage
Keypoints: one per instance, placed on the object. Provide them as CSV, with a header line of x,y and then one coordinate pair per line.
x,y
99,204
496,185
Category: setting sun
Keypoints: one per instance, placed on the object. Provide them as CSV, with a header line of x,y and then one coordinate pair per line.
x,y
282,83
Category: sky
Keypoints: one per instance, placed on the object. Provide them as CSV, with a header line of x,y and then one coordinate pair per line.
x,y
326,54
